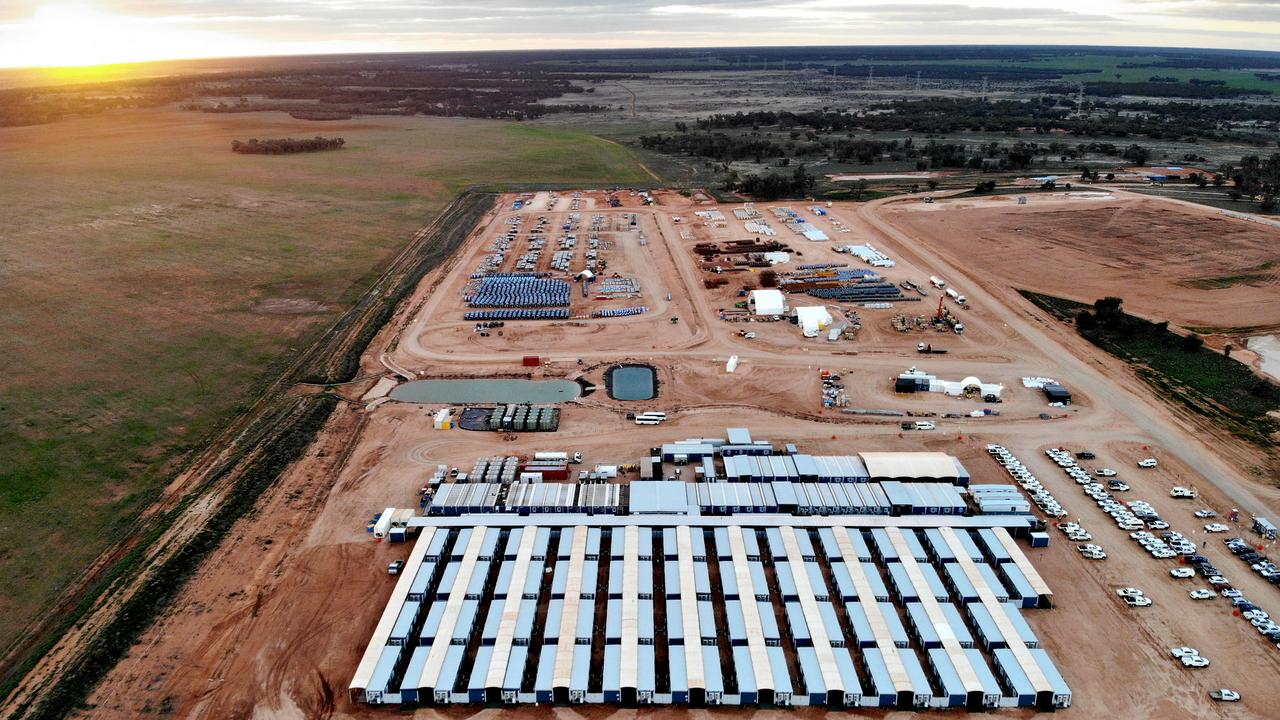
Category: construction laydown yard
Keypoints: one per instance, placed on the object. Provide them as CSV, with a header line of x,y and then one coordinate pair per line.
x,y
295,614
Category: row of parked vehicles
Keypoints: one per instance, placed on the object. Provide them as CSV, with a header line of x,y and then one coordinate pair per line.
x,y
1258,562
1024,477
1131,516
1166,546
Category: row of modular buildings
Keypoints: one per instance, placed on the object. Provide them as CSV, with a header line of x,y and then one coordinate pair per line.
x,y
765,610
890,497
757,461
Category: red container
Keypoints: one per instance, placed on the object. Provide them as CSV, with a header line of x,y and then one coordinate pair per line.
x,y
531,361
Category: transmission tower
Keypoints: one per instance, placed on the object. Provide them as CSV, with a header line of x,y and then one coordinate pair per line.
x,y
1080,100
917,82
984,88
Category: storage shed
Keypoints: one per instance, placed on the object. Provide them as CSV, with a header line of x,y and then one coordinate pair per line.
x,y
1053,392
767,302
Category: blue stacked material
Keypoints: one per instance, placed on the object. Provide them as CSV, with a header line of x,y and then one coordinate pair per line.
x,y
482,275
529,314
520,292
865,291
619,312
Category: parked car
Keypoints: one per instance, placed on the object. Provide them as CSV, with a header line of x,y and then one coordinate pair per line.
x,y
395,567
1105,472
1206,513
1182,572
1138,601
1184,651
1225,695
1147,463
1129,592
1195,661
1202,594
1216,528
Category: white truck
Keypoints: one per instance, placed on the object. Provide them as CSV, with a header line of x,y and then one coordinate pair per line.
x,y
951,293
937,282
559,456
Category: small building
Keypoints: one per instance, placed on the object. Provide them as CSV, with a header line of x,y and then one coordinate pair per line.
x,y
767,302
1057,393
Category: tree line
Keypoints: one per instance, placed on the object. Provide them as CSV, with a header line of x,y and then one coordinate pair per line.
x,y
286,146
1236,121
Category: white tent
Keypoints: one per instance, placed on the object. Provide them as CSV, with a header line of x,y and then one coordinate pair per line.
x,y
812,319
767,302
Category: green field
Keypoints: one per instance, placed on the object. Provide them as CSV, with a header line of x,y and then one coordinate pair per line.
x,y
151,280
1205,381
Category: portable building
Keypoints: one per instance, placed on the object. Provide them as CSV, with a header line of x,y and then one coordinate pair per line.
x,y
863,636
922,626
797,625
948,679
543,689
993,549
782,688
1019,586
378,691
937,547
611,682
714,677
748,692
811,671
897,632
991,692
1018,689
860,547
883,547
962,588
882,692
1060,697
922,692
993,583
409,683
476,681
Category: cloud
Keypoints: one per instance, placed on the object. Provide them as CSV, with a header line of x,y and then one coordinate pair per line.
x,y
289,26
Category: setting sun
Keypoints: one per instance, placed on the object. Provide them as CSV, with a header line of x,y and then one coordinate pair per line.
x,y
74,34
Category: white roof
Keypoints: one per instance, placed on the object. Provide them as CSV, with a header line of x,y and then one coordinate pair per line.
x,y
768,302
812,317
909,465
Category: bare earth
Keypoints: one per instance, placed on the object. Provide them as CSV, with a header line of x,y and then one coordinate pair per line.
x,y
1157,255
274,624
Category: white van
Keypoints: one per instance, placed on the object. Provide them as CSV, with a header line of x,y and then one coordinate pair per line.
x,y
924,425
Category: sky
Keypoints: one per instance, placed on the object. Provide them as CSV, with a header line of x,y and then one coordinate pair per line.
x,y
90,32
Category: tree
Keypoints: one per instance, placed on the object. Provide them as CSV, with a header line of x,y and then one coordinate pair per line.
x,y
1086,321
933,184
1192,343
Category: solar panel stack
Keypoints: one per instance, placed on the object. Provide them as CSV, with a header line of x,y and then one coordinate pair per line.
x,y
518,314
518,291
619,312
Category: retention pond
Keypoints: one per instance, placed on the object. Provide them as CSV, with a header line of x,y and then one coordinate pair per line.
x,y
632,382
537,392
